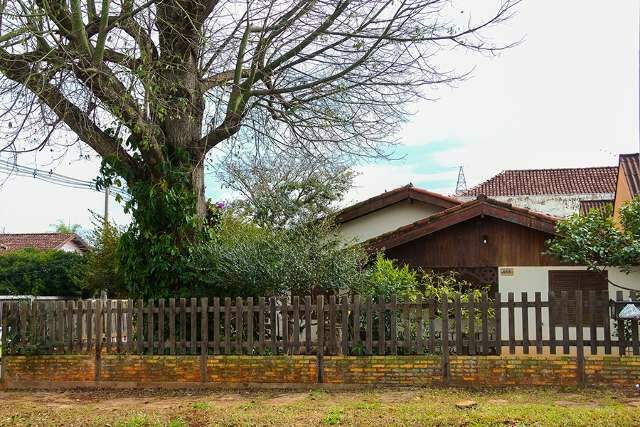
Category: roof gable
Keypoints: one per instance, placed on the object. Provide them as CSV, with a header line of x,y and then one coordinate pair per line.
x,y
480,207
595,180
388,198
43,241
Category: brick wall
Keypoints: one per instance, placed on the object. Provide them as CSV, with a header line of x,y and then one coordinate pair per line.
x,y
50,368
612,370
145,369
262,369
388,370
132,370
512,370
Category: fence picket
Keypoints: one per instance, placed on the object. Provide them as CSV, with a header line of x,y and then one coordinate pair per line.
x,y
119,326
356,321
622,344
607,322
393,325
345,325
321,325
172,326
634,329
484,314
419,331
406,326
250,332
432,326
284,332
216,325
89,324
140,327
565,322
239,321
472,323
333,344
458,325
227,325
296,325
150,326
369,327
204,326
79,309
307,323
593,336
579,337
161,316
511,323
525,322
444,346
183,326
263,308
552,323
498,322
129,322
108,312
273,326
538,315
193,325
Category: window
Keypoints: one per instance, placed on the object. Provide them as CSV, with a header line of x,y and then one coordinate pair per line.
x,y
570,281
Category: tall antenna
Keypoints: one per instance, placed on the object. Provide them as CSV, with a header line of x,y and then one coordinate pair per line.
x,y
461,185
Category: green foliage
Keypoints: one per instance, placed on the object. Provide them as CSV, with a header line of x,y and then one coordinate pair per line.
x,y
37,272
244,259
596,241
61,227
387,279
155,250
333,417
103,273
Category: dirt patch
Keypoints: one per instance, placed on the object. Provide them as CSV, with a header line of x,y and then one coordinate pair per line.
x,y
398,396
285,399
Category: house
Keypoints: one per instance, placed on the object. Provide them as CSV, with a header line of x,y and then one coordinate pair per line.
x,y
557,192
627,181
67,242
388,211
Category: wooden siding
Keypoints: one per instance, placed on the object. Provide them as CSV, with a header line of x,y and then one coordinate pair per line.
x,y
461,245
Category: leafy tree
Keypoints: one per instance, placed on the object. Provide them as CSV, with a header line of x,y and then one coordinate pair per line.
x,y
153,86
285,191
595,240
388,279
38,272
103,272
62,227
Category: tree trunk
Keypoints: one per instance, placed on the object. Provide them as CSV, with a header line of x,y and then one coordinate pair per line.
x,y
197,180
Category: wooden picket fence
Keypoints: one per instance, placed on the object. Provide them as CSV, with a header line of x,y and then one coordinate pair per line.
x,y
348,325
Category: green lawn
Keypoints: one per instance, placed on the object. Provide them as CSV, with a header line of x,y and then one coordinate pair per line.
x,y
511,407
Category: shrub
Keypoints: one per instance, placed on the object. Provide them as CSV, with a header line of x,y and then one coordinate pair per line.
x,y
38,272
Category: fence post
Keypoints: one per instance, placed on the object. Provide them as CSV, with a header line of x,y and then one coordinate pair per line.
x,y
98,347
3,345
204,338
320,334
445,338
579,339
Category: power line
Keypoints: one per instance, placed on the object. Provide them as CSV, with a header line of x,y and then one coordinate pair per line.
x,y
55,178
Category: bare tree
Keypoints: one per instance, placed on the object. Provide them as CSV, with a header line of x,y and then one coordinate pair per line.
x,y
153,85
284,190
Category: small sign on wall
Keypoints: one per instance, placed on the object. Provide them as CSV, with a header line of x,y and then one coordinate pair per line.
x,y
507,271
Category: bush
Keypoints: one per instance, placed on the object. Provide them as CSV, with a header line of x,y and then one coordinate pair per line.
x,y
387,279
37,272
247,260
103,273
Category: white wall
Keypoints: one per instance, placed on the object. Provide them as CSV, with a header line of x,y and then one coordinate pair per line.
x,y
553,204
536,279
71,247
385,220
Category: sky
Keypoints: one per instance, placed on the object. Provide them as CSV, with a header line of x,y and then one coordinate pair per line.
x,y
566,96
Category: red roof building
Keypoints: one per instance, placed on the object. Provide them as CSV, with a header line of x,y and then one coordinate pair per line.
x,y
69,242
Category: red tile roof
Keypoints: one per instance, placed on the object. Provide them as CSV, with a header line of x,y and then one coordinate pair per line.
x,y
630,163
474,208
548,181
388,198
601,205
12,242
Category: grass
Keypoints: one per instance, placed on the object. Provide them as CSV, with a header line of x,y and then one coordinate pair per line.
x,y
380,407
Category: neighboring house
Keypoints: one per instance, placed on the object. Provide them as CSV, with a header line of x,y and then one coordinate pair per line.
x,y
557,192
67,242
388,211
628,181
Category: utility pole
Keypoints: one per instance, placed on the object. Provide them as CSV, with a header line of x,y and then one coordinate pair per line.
x,y
106,205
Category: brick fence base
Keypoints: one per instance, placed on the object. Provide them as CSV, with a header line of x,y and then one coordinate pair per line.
x,y
114,371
